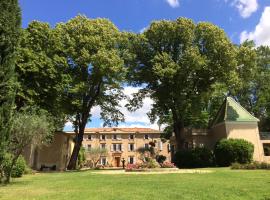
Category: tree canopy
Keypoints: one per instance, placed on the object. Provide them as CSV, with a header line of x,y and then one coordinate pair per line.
x,y
96,72
10,21
180,62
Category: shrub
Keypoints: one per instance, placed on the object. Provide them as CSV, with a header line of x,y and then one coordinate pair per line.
x,y
167,165
81,158
7,164
253,165
191,158
18,168
228,151
151,163
160,158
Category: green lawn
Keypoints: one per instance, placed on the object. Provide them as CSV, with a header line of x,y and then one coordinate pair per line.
x,y
221,184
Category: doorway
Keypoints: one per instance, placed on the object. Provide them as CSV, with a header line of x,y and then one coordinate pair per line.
x,y
117,161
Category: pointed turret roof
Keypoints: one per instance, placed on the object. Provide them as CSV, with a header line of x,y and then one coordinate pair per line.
x,y
232,111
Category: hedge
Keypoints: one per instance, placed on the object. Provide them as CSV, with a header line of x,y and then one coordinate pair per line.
x,y
228,151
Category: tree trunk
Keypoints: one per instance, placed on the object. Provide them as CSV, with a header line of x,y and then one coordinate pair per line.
x,y
74,156
8,175
178,130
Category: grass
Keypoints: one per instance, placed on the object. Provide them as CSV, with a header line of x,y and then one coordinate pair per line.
x,y
221,184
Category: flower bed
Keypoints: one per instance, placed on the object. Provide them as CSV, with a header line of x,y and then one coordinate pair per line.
x,y
144,167
167,165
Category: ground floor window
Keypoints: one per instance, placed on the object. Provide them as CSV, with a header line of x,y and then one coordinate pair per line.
x,y
266,149
103,161
131,160
146,146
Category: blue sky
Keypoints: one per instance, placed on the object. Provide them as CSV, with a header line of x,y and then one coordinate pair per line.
x,y
241,19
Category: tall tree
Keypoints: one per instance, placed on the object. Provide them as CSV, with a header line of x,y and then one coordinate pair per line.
x,y
254,72
180,62
96,71
41,69
10,21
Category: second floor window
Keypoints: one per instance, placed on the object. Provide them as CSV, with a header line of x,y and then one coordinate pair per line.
x,y
131,137
116,147
89,137
146,137
131,147
103,137
114,137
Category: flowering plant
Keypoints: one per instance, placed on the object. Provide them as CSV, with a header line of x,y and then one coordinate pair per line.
x,y
167,165
134,166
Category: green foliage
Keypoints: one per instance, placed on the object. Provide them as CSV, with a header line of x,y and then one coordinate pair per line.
x,y
13,168
228,151
10,22
146,153
31,126
94,155
160,158
41,68
150,163
19,168
253,165
96,71
81,158
193,158
180,62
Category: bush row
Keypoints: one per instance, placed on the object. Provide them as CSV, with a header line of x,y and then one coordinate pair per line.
x,y
226,152
253,165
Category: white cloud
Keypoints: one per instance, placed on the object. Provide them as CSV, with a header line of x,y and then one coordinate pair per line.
x,y
173,3
245,7
138,118
69,124
261,33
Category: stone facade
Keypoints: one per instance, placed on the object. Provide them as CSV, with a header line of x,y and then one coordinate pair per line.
x,y
122,143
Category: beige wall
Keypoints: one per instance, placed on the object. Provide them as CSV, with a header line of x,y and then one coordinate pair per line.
x,y
138,142
249,132
217,133
57,153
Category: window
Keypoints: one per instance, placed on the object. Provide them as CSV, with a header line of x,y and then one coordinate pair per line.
x,y
116,147
103,161
146,146
146,137
131,137
119,147
131,147
89,137
102,146
131,160
169,147
114,137
266,149
103,137
89,147
160,145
